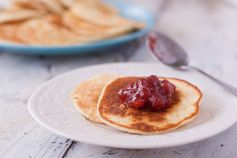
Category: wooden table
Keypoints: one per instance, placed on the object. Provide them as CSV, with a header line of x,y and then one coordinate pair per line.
x,y
206,28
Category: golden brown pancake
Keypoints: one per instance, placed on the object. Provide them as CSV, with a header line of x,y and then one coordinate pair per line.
x,y
95,3
47,31
94,32
36,5
54,6
85,96
8,32
47,6
62,22
15,15
98,17
114,113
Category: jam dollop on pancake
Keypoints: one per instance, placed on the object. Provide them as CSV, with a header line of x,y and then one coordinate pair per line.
x,y
149,92
115,113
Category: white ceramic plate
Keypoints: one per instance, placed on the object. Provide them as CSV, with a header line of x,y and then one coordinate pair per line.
x,y
51,107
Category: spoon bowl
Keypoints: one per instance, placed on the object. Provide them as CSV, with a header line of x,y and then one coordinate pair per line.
x,y
167,50
172,54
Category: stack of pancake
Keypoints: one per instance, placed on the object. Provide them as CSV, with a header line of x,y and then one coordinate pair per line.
x,y
97,99
62,22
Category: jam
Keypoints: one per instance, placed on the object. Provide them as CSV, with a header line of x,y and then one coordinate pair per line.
x,y
148,92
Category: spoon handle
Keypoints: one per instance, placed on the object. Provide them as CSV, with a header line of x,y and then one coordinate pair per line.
x,y
226,86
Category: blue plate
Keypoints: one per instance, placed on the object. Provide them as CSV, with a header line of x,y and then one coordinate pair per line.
x,y
131,11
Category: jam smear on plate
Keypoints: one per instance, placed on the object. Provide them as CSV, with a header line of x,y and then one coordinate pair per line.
x,y
148,92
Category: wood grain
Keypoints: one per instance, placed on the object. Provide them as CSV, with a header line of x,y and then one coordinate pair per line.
x,y
38,143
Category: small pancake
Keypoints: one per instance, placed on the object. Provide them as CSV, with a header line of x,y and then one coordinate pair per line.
x,y
114,113
93,32
47,31
80,26
85,96
8,32
54,6
99,5
96,3
49,6
30,4
67,3
97,16
18,15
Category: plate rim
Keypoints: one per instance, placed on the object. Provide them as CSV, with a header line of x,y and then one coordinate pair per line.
x,y
109,144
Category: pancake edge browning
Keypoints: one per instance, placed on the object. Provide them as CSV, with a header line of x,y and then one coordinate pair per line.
x,y
84,114
167,128
79,103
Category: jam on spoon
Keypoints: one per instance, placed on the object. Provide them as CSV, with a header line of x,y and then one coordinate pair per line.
x,y
151,92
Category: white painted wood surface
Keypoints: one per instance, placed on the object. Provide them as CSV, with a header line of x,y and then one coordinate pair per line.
x,y
206,28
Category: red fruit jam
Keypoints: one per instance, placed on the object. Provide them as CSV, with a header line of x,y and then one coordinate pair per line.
x,y
150,92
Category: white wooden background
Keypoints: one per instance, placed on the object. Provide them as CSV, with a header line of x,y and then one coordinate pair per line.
x,y
206,28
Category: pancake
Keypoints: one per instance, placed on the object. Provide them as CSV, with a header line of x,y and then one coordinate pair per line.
x,y
62,22
114,113
94,32
85,96
18,15
97,16
8,32
54,6
30,4
50,32
98,4
67,3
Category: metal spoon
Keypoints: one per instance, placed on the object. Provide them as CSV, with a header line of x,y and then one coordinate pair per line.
x,y
170,53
